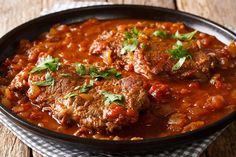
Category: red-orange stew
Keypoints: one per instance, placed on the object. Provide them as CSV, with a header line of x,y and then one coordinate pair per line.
x,y
121,79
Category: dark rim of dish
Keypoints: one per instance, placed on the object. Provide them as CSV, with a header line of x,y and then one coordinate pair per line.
x,y
64,137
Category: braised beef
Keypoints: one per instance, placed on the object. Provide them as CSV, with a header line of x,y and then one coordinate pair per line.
x,y
87,109
151,57
119,79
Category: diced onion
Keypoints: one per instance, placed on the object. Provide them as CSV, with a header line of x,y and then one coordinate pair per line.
x,y
6,102
232,49
86,96
33,91
107,57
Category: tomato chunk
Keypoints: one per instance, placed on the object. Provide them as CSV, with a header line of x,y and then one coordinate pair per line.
x,y
217,81
115,111
160,92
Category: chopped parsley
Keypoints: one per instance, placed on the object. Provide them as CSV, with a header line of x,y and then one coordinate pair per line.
x,y
110,98
130,40
179,64
161,34
49,63
143,46
85,87
186,36
80,69
49,81
69,95
180,53
114,72
94,73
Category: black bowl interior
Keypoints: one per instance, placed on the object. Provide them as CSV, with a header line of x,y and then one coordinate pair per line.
x,y
32,29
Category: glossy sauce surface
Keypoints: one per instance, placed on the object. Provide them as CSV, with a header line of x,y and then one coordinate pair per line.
x,y
177,104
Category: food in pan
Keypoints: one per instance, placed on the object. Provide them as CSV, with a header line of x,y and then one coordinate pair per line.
x,y
121,79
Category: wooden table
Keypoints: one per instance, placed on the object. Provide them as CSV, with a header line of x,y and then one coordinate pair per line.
x,y
15,12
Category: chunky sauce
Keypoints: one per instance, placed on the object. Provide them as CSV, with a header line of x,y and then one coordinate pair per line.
x,y
181,99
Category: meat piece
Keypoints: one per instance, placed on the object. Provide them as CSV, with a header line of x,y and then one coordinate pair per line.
x,y
151,56
88,109
20,80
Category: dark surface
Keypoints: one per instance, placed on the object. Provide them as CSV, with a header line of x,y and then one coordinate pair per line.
x,y
35,27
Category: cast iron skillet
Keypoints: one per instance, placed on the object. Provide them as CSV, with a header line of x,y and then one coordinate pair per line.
x,y
32,29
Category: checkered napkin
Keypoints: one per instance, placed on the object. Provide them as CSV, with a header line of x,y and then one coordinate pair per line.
x,y
52,149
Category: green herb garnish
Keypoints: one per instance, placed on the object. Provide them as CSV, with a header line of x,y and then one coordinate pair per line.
x,y
80,69
110,97
115,73
85,87
180,53
130,41
94,73
178,65
49,81
69,95
143,46
186,36
48,63
161,34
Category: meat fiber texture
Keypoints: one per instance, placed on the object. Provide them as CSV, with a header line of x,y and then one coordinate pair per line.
x,y
85,109
154,59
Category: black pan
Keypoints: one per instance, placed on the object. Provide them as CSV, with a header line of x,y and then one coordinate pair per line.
x,y
32,29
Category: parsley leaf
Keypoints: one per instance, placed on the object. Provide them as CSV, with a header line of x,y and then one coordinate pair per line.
x,y
179,64
80,69
161,34
130,40
114,72
49,63
186,36
85,87
143,46
94,73
49,81
110,97
129,46
69,95
180,53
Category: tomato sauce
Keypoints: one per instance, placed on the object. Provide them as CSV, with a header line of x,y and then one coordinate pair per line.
x,y
178,103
